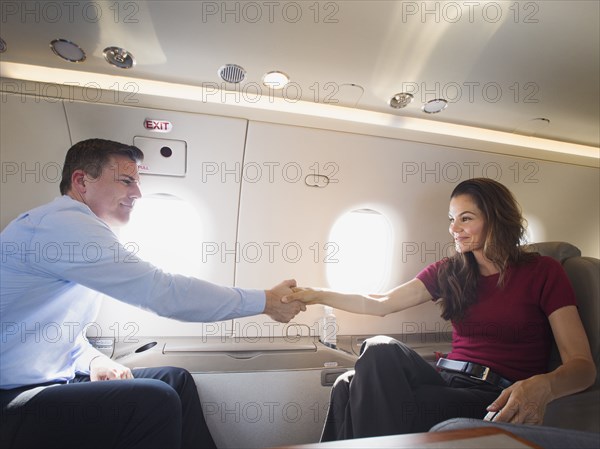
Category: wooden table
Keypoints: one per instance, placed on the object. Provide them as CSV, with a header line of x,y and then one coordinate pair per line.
x,y
477,438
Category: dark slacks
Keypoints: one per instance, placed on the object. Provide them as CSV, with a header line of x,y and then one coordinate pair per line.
x,y
159,408
393,390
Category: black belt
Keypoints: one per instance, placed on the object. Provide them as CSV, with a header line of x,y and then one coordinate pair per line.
x,y
474,370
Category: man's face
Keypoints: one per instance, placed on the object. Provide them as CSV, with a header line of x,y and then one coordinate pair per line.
x,y
112,195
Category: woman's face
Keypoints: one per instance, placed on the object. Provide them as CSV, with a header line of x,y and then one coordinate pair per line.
x,y
467,224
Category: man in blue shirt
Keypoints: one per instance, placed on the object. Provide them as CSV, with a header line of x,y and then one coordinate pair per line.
x,y
57,260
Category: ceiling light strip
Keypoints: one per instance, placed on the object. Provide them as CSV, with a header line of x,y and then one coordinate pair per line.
x,y
274,104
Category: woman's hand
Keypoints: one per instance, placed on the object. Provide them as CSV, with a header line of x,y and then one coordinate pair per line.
x,y
524,402
305,295
280,310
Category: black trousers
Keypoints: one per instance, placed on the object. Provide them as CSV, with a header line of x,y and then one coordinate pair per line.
x,y
393,390
159,408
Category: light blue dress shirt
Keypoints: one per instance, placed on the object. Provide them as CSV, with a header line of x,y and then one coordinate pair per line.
x,y
56,262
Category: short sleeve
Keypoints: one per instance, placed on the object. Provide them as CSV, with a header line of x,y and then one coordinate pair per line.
x,y
556,290
429,277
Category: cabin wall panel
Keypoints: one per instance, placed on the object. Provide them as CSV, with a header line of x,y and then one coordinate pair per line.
x,y
273,409
408,182
33,139
214,145
258,171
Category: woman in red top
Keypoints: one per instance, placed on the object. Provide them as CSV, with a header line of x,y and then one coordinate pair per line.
x,y
505,306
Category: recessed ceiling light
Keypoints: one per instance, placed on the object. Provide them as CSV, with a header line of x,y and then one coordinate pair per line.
x,y
2,45
232,73
435,106
119,57
67,50
401,100
275,80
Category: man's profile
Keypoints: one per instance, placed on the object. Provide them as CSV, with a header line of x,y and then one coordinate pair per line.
x,y
47,276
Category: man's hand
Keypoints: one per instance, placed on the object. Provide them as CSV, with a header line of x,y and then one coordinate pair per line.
x,y
103,368
276,309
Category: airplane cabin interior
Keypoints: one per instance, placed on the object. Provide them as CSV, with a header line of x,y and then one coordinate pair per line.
x,y
309,140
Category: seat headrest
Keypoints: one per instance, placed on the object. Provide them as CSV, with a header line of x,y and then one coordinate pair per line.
x,y
560,251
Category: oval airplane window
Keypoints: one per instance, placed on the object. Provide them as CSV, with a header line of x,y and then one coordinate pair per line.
x,y
534,232
166,231
363,240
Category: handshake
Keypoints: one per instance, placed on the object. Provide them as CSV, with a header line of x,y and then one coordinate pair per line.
x,y
286,300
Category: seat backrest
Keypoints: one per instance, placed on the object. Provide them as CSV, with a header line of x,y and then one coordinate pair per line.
x,y
560,251
584,274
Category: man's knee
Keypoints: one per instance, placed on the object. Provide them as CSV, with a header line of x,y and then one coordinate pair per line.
x,y
155,396
134,413
171,375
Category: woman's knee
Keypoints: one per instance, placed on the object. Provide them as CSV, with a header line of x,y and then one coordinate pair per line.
x,y
381,346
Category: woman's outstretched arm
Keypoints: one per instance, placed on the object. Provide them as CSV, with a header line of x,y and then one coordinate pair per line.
x,y
407,295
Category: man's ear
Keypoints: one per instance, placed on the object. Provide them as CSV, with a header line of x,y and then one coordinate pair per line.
x,y
78,180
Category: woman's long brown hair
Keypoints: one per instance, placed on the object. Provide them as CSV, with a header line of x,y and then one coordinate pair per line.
x,y
504,230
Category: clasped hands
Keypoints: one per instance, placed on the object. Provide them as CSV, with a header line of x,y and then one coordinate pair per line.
x,y
286,300
278,304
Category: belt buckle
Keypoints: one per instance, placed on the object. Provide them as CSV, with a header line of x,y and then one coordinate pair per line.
x,y
483,375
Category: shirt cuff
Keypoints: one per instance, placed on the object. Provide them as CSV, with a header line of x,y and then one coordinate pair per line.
x,y
253,302
82,362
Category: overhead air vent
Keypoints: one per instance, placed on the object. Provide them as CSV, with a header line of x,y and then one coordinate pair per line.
x,y
401,100
232,73
119,57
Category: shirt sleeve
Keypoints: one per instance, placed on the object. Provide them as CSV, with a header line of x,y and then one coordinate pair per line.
x,y
78,247
429,277
83,355
556,289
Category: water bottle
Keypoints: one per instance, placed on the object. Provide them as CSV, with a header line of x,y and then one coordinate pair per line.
x,y
329,329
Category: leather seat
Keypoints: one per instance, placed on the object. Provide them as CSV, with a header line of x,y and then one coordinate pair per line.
x,y
580,411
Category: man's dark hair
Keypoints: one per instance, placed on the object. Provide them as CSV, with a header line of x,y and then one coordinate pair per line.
x,y
92,155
